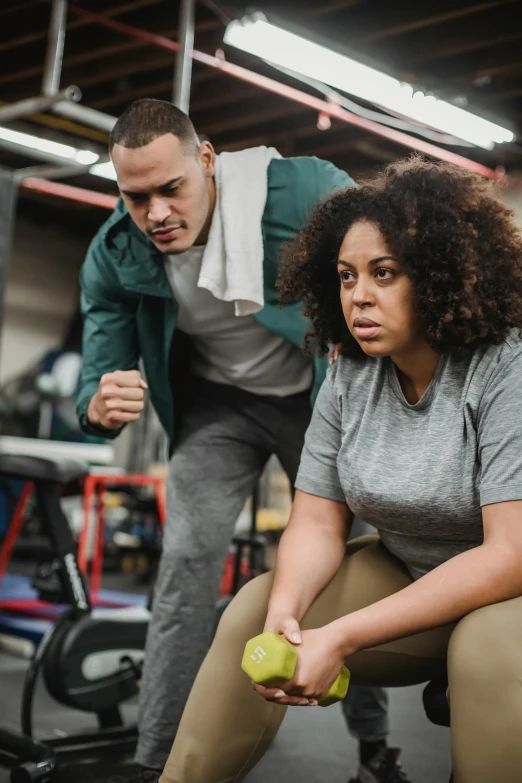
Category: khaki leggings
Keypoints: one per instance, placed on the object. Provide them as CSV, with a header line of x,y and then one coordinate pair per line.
x,y
227,727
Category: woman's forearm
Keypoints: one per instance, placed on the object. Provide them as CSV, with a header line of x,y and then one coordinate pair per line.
x,y
310,553
482,576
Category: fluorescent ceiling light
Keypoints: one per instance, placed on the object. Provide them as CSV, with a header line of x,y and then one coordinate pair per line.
x,y
105,170
54,148
255,35
61,151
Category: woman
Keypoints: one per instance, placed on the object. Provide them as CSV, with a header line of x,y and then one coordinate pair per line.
x,y
418,431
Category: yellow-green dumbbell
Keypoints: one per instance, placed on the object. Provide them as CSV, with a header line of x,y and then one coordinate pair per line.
x,y
270,660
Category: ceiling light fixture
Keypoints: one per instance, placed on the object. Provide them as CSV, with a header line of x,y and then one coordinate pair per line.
x,y
255,35
54,148
105,170
62,152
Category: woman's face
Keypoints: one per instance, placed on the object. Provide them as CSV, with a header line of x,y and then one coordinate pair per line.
x,y
376,294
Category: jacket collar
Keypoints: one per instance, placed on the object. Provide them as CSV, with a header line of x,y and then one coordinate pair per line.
x,y
140,265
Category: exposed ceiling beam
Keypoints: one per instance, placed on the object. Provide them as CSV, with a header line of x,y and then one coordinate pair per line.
x,y
462,69
273,128
151,90
470,46
312,104
127,96
507,69
298,96
491,28
121,69
298,138
79,59
396,19
494,63
204,100
374,150
260,114
301,131
92,54
324,148
67,126
498,96
116,69
325,8
75,24
302,9
161,62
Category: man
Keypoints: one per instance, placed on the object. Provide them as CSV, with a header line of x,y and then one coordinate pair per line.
x,y
183,277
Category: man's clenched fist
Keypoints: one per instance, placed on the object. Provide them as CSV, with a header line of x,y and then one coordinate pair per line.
x,y
119,399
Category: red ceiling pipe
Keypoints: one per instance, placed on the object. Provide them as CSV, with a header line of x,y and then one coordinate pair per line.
x,y
298,96
60,190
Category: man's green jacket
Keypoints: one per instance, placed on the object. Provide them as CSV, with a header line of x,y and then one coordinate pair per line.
x,y
130,311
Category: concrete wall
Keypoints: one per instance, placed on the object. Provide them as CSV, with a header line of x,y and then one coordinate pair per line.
x,y
41,293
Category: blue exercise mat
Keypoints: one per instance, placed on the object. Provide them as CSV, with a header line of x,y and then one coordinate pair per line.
x,y
23,627
15,587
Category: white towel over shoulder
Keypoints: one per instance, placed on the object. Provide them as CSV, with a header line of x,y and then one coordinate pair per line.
x,y
232,267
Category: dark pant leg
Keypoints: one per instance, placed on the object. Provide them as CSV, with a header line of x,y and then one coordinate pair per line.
x,y
220,455
291,421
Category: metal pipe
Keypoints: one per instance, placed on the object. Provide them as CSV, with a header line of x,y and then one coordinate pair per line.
x,y
298,96
50,171
70,192
46,157
334,110
8,198
127,29
12,111
53,58
92,117
183,70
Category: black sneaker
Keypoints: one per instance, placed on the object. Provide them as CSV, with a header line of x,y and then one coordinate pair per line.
x,y
384,767
143,776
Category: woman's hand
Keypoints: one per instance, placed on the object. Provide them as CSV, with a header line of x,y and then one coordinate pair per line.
x,y
318,665
285,625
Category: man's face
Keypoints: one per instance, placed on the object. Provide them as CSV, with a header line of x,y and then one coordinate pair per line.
x,y
168,190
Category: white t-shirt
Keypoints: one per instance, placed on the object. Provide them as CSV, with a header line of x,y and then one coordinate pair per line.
x,y
230,349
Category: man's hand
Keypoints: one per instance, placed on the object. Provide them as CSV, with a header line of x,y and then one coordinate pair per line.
x,y
119,399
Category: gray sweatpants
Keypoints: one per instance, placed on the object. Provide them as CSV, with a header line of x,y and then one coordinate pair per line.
x,y
226,436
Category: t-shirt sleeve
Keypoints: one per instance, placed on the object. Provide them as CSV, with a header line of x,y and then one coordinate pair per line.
x,y
500,435
318,473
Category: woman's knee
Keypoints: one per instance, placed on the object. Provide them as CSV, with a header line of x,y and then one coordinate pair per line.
x,y
481,648
246,614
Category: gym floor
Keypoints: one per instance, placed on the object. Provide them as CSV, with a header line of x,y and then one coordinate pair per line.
x,y
313,746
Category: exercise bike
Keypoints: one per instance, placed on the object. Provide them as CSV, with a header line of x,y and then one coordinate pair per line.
x,y
90,659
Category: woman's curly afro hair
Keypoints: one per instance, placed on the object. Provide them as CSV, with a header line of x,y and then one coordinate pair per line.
x,y
457,241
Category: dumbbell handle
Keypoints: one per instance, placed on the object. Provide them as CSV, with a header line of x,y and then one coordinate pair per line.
x,y
270,660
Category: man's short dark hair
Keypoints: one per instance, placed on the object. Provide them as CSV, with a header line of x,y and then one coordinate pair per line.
x,y
147,119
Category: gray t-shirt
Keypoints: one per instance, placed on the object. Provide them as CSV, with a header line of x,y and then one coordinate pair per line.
x,y
420,473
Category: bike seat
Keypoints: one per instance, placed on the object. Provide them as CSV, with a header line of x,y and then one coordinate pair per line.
x,y
32,468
